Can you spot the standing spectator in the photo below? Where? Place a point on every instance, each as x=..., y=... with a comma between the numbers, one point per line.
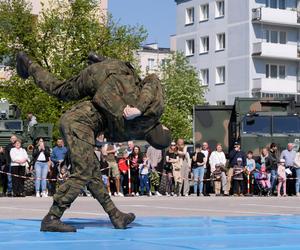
x=185, y=167
x=154, y=157
x=289, y=156
x=124, y=165
x=171, y=158
x=58, y=155
x=3, y=168
x=104, y=168
x=217, y=176
x=281, y=177
x=233, y=156
x=41, y=156
x=273, y=155
x=297, y=169
x=136, y=159
x=206, y=185
x=114, y=172
x=63, y=175
x=218, y=157
x=13, y=139
x=19, y=158
x=238, y=178
x=250, y=168
x=198, y=163
x=144, y=178
x=130, y=147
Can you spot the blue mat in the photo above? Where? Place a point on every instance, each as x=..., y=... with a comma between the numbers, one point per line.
x=272, y=232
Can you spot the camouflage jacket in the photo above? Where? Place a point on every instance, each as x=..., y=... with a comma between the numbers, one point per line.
x=111, y=85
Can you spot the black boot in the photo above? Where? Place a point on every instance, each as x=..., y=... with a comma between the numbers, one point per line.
x=120, y=220
x=51, y=223
x=94, y=58
x=23, y=63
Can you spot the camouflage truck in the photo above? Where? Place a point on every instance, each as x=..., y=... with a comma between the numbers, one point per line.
x=254, y=122
x=11, y=123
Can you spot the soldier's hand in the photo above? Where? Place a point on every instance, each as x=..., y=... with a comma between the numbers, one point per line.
x=130, y=113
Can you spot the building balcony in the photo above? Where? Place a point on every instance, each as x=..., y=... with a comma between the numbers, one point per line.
x=279, y=17
x=276, y=51
x=270, y=85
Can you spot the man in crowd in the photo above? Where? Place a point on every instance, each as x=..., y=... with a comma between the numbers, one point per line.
x=13, y=139
x=58, y=156
x=206, y=151
x=233, y=156
x=123, y=117
x=289, y=156
x=130, y=146
x=155, y=157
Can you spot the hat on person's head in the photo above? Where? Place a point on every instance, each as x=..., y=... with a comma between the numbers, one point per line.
x=282, y=161
x=173, y=143
x=239, y=159
x=159, y=137
x=236, y=143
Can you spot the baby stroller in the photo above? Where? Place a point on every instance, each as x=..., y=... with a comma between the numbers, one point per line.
x=262, y=182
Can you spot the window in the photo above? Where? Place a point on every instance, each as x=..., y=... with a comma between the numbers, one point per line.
x=220, y=75
x=204, y=76
x=190, y=47
x=221, y=103
x=276, y=4
x=275, y=36
x=163, y=62
x=204, y=44
x=204, y=12
x=220, y=43
x=257, y=125
x=286, y=124
x=151, y=63
x=189, y=16
x=220, y=8
x=275, y=71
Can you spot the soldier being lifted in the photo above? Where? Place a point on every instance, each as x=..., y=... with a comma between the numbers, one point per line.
x=122, y=106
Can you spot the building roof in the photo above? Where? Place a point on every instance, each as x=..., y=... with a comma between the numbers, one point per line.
x=153, y=49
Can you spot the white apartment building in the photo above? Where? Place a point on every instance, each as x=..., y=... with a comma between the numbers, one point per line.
x=242, y=48
x=150, y=57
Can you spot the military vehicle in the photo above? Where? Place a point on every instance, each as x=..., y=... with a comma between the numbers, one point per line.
x=11, y=123
x=254, y=122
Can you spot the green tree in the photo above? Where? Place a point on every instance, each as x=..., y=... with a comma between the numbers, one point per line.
x=60, y=40
x=182, y=91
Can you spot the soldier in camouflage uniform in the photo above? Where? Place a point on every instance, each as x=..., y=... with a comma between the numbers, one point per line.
x=121, y=105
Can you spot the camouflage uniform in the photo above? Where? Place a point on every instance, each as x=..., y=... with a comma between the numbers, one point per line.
x=111, y=85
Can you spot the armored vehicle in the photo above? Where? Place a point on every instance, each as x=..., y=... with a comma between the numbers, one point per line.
x=254, y=122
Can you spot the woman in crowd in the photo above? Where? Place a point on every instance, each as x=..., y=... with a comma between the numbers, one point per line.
x=3, y=168
x=218, y=158
x=281, y=178
x=19, y=158
x=273, y=155
x=136, y=158
x=41, y=156
x=171, y=158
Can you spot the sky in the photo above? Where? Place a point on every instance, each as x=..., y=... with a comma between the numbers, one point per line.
x=157, y=16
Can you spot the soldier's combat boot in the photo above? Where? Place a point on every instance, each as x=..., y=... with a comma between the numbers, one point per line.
x=94, y=58
x=120, y=220
x=51, y=223
x=22, y=64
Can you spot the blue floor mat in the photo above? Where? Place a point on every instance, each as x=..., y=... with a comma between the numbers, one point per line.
x=259, y=233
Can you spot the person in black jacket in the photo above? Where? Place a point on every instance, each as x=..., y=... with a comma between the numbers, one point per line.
x=3, y=168
x=274, y=159
x=8, y=147
x=233, y=156
x=41, y=155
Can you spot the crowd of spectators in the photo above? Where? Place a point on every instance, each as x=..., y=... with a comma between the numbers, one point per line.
x=129, y=170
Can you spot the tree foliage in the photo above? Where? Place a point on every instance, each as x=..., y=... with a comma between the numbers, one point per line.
x=60, y=40
x=182, y=91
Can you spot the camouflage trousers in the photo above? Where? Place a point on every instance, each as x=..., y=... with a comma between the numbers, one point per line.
x=79, y=126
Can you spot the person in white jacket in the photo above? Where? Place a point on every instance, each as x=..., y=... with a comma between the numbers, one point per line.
x=19, y=158
x=217, y=157
x=297, y=168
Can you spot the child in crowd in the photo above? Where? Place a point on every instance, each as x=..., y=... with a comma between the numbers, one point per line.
x=281, y=177
x=104, y=167
x=250, y=168
x=63, y=175
x=217, y=177
x=238, y=178
x=124, y=164
x=144, y=179
x=263, y=179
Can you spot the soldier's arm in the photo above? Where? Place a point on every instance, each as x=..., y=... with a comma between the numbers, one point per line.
x=148, y=92
x=72, y=89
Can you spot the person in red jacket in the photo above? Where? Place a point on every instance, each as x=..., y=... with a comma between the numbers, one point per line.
x=124, y=164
